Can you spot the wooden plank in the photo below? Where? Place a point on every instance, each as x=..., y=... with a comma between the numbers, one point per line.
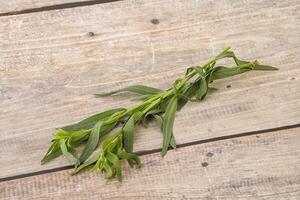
x=14, y=6
x=262, y=166
x=50, y=66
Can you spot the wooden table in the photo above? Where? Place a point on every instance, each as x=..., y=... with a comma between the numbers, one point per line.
x=242, y=142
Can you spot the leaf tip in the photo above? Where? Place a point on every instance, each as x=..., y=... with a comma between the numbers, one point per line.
x=163, y=153
x=98, y=95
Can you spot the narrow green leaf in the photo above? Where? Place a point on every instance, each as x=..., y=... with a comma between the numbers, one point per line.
x=128, y=133
x=107, y=128
x=87, y=163
x=70, y=157
x=75, y=138
x=62, y=134
x=239, y=62
x=224, y=72
x=78, y=136
x=115, y=145
x=264, y=67
x=108, y=170
x=92, y=142
x=139, y=89
x=159, y=120
x=112, y=158
x=108, y=140
x=51, y=156
x=71, y=135
x=189, y=90
x=203, y=88
x=91, y=121
x=168, y=122
x=129, y=157
x=53, y=152
x=230, y=54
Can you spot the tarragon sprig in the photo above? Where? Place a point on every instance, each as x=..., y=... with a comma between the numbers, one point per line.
x=119, y=123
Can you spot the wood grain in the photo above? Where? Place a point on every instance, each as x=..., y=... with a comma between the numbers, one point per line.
x=262, y=166
x=50, y=67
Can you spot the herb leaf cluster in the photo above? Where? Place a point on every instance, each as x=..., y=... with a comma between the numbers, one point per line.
x=118, y=124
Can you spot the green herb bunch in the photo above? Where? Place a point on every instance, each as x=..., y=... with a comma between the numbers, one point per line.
x=119, y=123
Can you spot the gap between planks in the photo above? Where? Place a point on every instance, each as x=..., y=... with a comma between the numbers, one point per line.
x=147, y=152
x=57, y=7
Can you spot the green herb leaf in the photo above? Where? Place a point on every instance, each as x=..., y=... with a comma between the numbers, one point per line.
x=168, y=122
x=107, y=128
x=108, y=170
x=113, y=159
x=159, y=120
x=201, y=83
x=139, y=89
x=91, y=121
x=128, y=132
x=239, y=62
x=87, y=163
x=53, y=152
x=109, y=140
x=129, y=157
x=70, y=157
x=74, y=138
x=92, y=142
x=203, y=88
x=62, y=134
x=189, y=91
x=230, y=54
x=224, y=72
x=264, y=67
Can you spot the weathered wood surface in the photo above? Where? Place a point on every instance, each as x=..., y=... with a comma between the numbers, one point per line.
x=13, y=6
x=50, y=66
x=262, y=166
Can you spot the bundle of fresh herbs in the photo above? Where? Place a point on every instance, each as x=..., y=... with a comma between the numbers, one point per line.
x=156, y=104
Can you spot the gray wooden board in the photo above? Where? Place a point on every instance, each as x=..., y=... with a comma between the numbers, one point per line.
x=50, y=67
x=262, y=166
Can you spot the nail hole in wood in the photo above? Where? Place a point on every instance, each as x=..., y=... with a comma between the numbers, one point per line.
x=228, y=86
x=293, y=78
x=154, y=21
x=209, y=154
x=91, y=34
x=204, y=164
